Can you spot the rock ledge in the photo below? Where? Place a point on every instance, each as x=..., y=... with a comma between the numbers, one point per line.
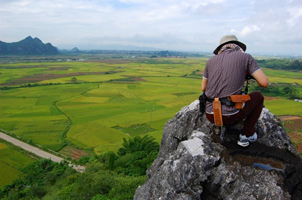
x=195, y=163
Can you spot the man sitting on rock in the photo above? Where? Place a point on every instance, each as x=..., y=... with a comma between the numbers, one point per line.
x=223, y=77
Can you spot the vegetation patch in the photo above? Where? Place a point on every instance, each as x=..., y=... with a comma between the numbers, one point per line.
x=288, y=90
x=135, y=130
x=58, y=69
x=42, y=77
x=293, y=125
x=126, y=80
x=268, y=98
x=108, y=176
x=122, y=80
x=296, y=138
x=284, y=64
x=138, y=79
x=20, y=66
x=11, y=162
x=135, y=78
x=73, y=153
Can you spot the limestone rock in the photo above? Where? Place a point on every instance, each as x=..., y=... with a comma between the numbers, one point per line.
x=195, y=163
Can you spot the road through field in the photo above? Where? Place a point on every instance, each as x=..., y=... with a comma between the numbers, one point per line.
x=37, y=151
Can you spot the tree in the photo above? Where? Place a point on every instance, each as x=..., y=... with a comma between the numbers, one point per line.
x=35, y=180
x=109, y=160
x=291, y=92
x=136, y=155
x=83, y=160
x=74, y=80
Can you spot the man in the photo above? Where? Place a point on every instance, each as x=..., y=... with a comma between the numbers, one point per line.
x=224, y=75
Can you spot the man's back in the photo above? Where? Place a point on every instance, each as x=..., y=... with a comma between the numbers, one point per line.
x=226, y=75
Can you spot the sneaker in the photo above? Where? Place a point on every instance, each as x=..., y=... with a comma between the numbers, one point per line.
x=245, y=141
x=252, y=138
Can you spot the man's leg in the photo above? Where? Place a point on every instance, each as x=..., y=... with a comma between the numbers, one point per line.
x=251, y=113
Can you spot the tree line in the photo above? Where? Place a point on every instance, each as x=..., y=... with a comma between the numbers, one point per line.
x=283, y=64
x=281, y=90
x=111, y=176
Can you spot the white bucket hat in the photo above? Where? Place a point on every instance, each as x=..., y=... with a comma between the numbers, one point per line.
x=229, y=39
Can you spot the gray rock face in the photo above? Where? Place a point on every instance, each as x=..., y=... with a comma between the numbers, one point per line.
x=196, y=163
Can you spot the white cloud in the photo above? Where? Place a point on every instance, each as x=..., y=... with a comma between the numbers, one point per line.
x=295, y=16
x=176, y=25
x=247, y=30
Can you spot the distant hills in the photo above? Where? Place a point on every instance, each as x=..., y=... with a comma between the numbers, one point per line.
x=27, y=46
x=35, y=47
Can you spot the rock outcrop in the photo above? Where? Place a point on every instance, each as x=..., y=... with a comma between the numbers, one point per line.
x=196, y=163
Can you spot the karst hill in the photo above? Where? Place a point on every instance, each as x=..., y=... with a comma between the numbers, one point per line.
x=28, y=46
x=195, y=163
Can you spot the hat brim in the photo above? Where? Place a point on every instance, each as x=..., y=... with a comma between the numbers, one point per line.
x=243, y=46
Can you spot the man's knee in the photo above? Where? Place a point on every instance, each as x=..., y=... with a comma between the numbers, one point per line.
x=257, y=96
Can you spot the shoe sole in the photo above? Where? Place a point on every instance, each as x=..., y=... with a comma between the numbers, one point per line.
x=243, y=144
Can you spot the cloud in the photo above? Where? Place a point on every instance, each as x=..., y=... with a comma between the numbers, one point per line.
x=204, y=9
x=247, y=30
x=295, y=16
x=176, y=25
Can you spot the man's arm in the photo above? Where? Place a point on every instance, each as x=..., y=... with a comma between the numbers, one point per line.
x=204, y=84
x=261, y=78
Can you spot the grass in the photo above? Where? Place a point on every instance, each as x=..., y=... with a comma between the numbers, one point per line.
x=11, y=162
x=136, y=130
x=284, y=107
x=121, y=105
x=31, y=114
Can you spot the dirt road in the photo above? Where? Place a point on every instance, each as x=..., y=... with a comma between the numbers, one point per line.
x=37, y=151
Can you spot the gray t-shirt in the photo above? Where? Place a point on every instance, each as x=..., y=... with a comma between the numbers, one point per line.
x=226, y=73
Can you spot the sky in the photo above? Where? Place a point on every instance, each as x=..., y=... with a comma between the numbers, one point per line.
x=265, y=26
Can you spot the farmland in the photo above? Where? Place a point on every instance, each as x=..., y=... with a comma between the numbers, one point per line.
x=92, y=105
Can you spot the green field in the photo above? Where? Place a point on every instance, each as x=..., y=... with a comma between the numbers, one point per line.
x=41, y=104
x=11, y=162
x=94, y=105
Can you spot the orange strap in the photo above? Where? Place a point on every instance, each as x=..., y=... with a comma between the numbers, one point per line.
x=239, y=100
x=217, y=112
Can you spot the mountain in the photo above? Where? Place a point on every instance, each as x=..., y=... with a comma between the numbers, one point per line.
x=196, y=163
x=27, y=46
x=75, y=49
x=117, y=47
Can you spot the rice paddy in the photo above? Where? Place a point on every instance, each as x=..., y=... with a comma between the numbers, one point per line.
x=94, y=105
